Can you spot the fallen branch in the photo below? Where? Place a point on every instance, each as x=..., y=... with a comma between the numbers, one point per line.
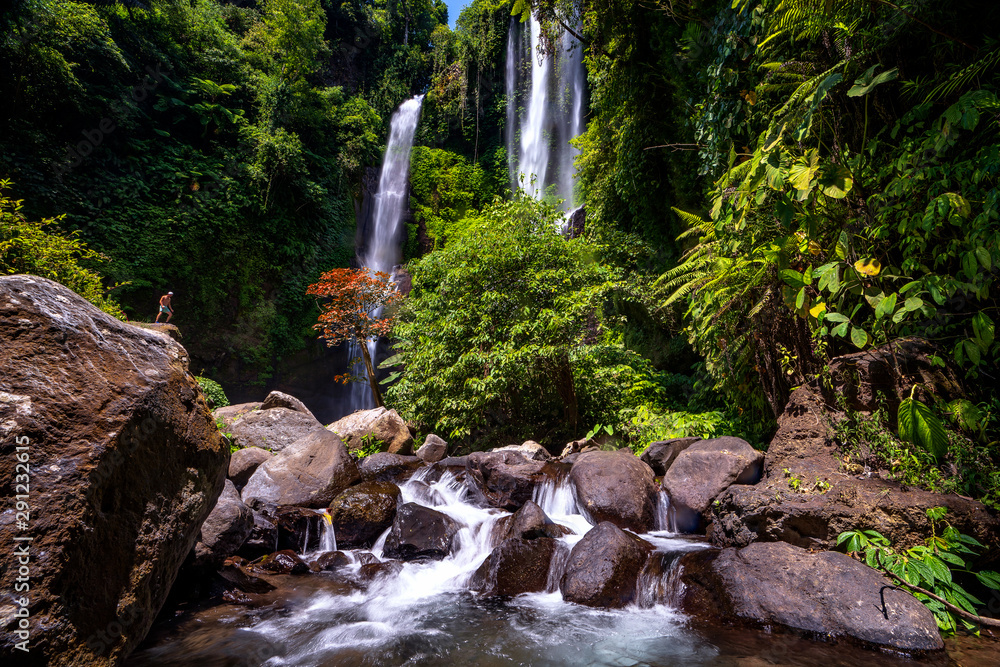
x=958, y=611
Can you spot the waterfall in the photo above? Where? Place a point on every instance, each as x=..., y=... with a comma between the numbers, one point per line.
x=553, y=88
x=327, y=536
x=382, y=246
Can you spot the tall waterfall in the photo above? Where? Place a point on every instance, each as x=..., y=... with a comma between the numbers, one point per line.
x=551, y=88
x=382, y=246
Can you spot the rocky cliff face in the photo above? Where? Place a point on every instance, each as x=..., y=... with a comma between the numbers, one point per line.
x=123, y=464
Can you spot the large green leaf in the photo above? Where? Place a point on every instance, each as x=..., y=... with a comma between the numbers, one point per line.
x=867, y=81
x=918, y=425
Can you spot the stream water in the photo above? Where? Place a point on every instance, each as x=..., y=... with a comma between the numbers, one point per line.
x=423, y=614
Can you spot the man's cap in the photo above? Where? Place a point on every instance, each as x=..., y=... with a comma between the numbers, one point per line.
x=170, y=293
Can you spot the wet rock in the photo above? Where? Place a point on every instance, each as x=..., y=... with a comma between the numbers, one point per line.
x=299, y=528
x=278, y=399
x=378, y=423
x=225, y=530
x=516, y=566
x=311, y=472
x=263, y=537
x=331, y=560
x=433, y=450
x=283, y=562
x=230, y=413
x=420, y=533
x=457, y=465
x=616, y=487
x=126, y=463
x=380, y=570
x=603, y=567
x=363, y=512
x=530, y=450
x=365, y=557
x=386, y=467
x=703, y=471
x=660, y=454
x=506, y=479
x=273, y=429
x=528, y=523
x=244, y=463
x=234, y=571
x=825, y=594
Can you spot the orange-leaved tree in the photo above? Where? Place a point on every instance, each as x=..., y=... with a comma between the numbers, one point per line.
x=352, y=304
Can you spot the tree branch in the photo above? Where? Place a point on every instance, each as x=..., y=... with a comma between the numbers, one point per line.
x=958, y=611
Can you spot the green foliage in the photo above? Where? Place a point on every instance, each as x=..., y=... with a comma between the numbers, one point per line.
x=938, y=567
x=510, y=331
x=446, y=188
x=213, y=392
x=370, y=445
x=919, y=425
x=40, y=249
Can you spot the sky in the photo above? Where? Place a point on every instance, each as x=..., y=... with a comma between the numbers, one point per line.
x=454, y=9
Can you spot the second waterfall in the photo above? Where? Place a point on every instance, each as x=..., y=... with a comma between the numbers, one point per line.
x=381, y=246
x=545, y=107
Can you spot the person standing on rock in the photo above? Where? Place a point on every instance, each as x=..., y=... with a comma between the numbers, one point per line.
x=165, y=307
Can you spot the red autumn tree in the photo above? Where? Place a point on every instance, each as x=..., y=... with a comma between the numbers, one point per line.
x=352, y=304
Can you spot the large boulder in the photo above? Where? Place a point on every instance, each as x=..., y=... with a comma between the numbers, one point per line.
x=420, y=533
x=279, y=399
x=660, y=455
x=273, y=429
x=516, y=566
x=433, y=450
x=506, y=478
x=528, y=523
x=230, y=413
x=244, y=464
x=225, y=530
x=703, y=471
x=380, y=424
x=125, y=464
x=603, y=567
x=361, y=513
x=826, y=499
x=310, y=473
x=529, y=449
x=616, y=487
x=824, y=594
x=386, y=467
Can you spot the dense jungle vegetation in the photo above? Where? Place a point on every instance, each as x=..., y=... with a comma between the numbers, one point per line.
x=769, y=184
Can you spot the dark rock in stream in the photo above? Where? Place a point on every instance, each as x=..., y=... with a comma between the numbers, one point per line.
x=516, y=566
x=616, y=487
x=386, y=467
x=234, y=571
x=331, y=560
x=363, y=512
x=506, y=478
x=126, y=463
x=283, y=562
x=603, y=567
x=380, y=570
x=225, y=530
x=528, y=523
x=263, y=537
x=420, y=533
x=825, y=594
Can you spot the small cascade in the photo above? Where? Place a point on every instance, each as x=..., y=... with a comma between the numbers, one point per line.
x=666, y=516
x=382, y=246
x=327, y=536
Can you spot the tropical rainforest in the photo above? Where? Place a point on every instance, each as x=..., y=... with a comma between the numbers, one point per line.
x=768, y=184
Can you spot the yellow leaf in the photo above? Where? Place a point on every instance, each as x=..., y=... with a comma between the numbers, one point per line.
x=868, y=267
x=818, y=309
x=814, y=248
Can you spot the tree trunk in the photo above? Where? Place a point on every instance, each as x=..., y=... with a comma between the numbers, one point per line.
x=372, y=380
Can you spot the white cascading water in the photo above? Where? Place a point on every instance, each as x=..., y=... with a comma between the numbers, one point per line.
x=382, y=249
x=421, y=612
x=553, y=96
